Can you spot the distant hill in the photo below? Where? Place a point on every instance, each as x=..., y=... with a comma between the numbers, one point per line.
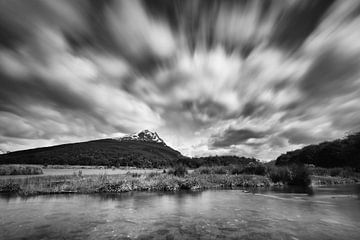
x=339, y=153
x=144, y=149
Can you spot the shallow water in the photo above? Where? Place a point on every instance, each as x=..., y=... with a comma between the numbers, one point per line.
x=323, y=213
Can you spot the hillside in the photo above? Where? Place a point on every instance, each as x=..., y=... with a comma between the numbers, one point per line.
x=146, y=150
x=339, y=153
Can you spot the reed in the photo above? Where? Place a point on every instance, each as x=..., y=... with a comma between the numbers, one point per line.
x=125, y=183
x=20, y=170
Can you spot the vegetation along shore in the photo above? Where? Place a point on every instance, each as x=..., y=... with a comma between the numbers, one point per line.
x=250, y=176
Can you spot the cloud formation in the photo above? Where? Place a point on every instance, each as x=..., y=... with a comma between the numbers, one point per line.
x=254, y=78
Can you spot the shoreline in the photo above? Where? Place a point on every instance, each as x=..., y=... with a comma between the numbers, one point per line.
x=154, y=182
x=37, y=185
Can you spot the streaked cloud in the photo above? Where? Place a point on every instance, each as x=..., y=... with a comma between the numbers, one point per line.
x=253, y=78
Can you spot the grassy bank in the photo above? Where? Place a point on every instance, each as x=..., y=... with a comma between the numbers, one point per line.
x=20, y=170
x=178, y=178
x=128, y=182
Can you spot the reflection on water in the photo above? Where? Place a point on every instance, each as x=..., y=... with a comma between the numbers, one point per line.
x=324, y=213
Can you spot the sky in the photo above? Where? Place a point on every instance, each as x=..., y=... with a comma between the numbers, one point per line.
x=250, y=78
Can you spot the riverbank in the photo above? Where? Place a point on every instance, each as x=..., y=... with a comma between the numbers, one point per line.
x=144, y=181
x=128, y=182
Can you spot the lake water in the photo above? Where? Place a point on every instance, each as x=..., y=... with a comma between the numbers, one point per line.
x=324, y=213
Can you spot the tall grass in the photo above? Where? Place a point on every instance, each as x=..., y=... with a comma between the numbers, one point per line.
x=125, y=183
x=20, y=170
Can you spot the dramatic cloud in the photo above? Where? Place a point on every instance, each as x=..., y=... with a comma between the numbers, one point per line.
x=254, y=78
x=237, y=136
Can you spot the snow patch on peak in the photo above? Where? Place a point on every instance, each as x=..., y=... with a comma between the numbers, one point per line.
x=145, y=135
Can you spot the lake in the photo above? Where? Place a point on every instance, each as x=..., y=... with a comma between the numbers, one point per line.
x=321, y=213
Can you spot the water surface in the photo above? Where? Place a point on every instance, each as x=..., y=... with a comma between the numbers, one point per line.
x=323, y=213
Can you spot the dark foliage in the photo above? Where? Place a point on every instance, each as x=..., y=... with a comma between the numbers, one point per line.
x=215, y=161
x=178, y=170
x=255, y=168
x=292, y=175
x=339, y=153
x=214, y=170
x=108, y=152
x=10, y=188
x=20, y=170
x=300, y=176
x=279, y=174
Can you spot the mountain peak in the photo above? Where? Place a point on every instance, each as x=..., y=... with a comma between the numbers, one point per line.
x=144, y=135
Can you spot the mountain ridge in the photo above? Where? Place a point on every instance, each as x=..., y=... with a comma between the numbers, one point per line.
x=343, y=152
x=145, y=150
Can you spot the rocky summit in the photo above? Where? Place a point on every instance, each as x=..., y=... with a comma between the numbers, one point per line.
x=144, y=135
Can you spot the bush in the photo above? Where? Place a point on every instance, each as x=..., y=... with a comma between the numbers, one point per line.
x=292, y=175
x=279, y=174
x=220, y=170
x=237, y=169
x=319, y=171
x=300, y=175
x=255, y=168
x=179, y=171
x=204, y=170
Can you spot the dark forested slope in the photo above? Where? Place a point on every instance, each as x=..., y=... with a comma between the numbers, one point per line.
x=143, y=152
x=339, y=153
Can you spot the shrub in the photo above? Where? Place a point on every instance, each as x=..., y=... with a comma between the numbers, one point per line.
x=279, y=174
x=214, y=170
x=220, y=170
x=300, y=175
x=179, y=171
x=237, y=169
x=292, y=175
x=255, y=168
x=203, y=170
x=319, y=171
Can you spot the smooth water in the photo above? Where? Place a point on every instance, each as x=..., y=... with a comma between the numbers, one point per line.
x=324, y=213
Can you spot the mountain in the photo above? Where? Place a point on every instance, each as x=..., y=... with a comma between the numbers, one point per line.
x=144, y=149
x=145, y=136
x=339, y=153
